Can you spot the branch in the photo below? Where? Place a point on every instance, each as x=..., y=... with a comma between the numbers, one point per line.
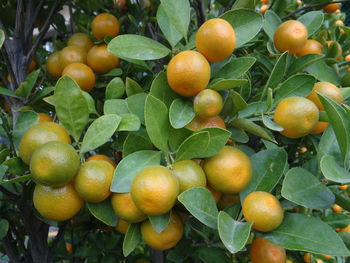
x=10, y=248
x=18, y=24
x=201, y=12
x=11, y=195
x=313, y=6
x=30, y=25
x=71, y=17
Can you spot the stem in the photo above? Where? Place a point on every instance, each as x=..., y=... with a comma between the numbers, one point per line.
x=71, y=17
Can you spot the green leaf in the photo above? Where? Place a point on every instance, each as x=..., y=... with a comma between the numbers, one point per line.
x=212, y=255
x=26, y=87
x=129, y=122
x=25, y=120
x=21, y=178
x=340, y=121
x=160, y=222
x=193, y=146
x=114, y=72
x=329, y=146
x=302, y=62
x=180, y=113
x=312, y=20
x=104, y=212
x=323, y=72
x=277, y=74
x=178, y=13
x=71, y=107
x=115, y=89
x=307, y=233
x=168, y=29
x=246, y=24
x=217, y=139
x=226, y=84
x=99, y=132
x=297, y=85
x=2, y=40
x=233, y=234
x=337, y=220
x=271, y=124
x=132, y=239
x=301, y=187
x=177, y=136
x=132, y=87
x=135, y=142
x=161, y=89
x=252, y=128
x=4, y=224
x=271, y=23
x=90, y=102
x=15, y=166
x=137, y=47
x=8, y=92
x=244, y=4
x=116, y=106
x=157, y=122
x=236, y=68
x=130, y=166
x=333, y=171
x=136, y=105
x=201, y=204
x=268, y=168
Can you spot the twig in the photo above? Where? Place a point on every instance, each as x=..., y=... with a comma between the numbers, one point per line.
x=57, y=239
x=30, y=25
x=201, y=12
x=11, y=195
x=313, y=6
x=71, y=17
x=18, y=23
x=10, y=248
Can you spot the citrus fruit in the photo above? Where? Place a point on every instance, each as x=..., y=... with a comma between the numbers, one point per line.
x=38, y=135
x=105, y=25
x=229, y=171
x=7, y=107
x=188, y=73
x=207, y=103
x=80, y=40
x=122, y=226
x=216, y=194
x=345, y=81
x=93, y=180
x=263, y=9
x=331, y=8
x=343, y=187
x=166, y=239
x=310, y=47
x=307, y=258
x=264, y=1
x=189, y=174
x=339, y=23
x=345, y=229
x=72, y=54
x=54, y=163
x=297, y=115
x=216, y=39
x=227, y=200
x=328, y=89
x=337, y=209
x=53, y=65
x=100, y=60
x=347, y=57
x=125, y=208
x=43, y=117
x=120, y=4
x=154, y=190
x=102, y=157
x=290, y=36
x=264, y=210
x=320, y=127
x=59, y=203
x=200, y=123
x=82, y=74
x=263, y=251
x=32, y=65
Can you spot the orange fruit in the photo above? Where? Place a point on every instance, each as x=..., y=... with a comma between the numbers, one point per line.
x=343, y=187
x=200, y=123
x=105, y=25
x=54, y=163
x=346, y=229
x=216, y=194
x=290, y=36
x=216, y=39
x=339, y=23
x=328, y=89
x=264, y=1
x=331, y=8
x=80, y=40
x=72, y=54
x=69, y=248
x=298, y=116
x=337, y=209
x=320, y=127
x=38, y=135
x=299, y=2
x=166, y=239
x=102, y=157
x=53, y=65
x=310, y=47
x=154, y=190
x=263, y=9
x=227, y=200
x=122, y=226
x=93, y=180
x=264, y=210
x=188, y=73
x=59, y=203
x=100, y=60
x=263, y=251
x=82, y=74
x=32, y=65
x=307, y=258
x=189, y=174
x=7, y=107
x=207, y=103
x=303, y=150
x=125, y=208
x=120, y=4
x=43, y=117
x=229, y=171
x=347, y=57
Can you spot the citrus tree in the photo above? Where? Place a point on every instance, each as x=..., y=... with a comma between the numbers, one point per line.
x=174, y=131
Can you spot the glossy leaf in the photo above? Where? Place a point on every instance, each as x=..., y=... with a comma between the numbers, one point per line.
x=90, y=102
x=252, y=128
x=7, y=92
x=137, y=47
x=25, y=120
x=129, y=122
x=135, y=142
x=168, y=29
x=115, y=89
x=116, y=106
x=323, y=72
x=271, y=23
x=180, y=113
x=99, y=132
x=333, y=171
x=26, y=87
x=4, y=224
x=161, y=89
x=337, y=220
x=302, y=62
x=136, y=105
x=312, y=20
x=132, y=87
x=217, y=139
x=129, y=167
x=277, y=74
x=2, y=37
x=236, y=68
x=201, y=204
x=104, y=212
x=271, y=124
x=302, y=188
x=226, y=84
x=132, y=239
x=244, y=4
x=193, y=146
x=160, y=222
